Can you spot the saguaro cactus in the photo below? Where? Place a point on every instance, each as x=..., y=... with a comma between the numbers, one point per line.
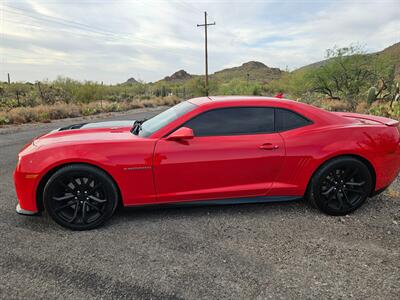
x=371, y=95
x=396, y=95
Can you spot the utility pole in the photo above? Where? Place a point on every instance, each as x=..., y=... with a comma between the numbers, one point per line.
x=8, y=76
x=41, y=93
x=206, y=51
x=101, y=100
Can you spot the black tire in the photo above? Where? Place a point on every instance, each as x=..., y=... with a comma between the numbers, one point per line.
x=80, y=197
x=340, y=186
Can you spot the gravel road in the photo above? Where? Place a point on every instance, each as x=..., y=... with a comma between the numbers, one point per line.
x=227, y=252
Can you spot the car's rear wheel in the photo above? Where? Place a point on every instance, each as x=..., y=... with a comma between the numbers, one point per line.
x=80, y=197
x=340, y=186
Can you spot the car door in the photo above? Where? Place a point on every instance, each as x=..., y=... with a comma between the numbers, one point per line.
x=234, y=153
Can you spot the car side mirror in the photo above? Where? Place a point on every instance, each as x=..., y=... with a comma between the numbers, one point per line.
x=183, y=133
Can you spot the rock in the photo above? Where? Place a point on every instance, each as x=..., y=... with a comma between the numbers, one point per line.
x=131, y=81
x=180, y=75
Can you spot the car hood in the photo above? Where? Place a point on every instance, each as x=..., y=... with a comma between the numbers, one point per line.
x=88, y=133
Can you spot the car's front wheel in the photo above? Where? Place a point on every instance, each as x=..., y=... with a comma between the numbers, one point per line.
x=340, y=186
x=80, y=197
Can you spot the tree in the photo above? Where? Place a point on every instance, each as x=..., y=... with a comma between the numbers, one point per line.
x=293, y=85
x=348, y=73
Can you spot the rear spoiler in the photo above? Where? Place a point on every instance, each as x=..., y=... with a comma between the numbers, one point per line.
x=382, y=120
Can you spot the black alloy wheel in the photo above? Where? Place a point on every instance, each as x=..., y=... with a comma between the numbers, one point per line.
x=80, y=197
x=341, y=186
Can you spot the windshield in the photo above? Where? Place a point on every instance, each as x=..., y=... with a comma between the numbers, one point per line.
x=164, y=118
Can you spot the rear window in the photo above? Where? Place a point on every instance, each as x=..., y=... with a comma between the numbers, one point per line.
x=287, y=119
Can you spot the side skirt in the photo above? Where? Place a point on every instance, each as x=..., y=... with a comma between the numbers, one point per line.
x=250, y=200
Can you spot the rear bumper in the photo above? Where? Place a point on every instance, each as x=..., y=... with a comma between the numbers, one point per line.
x=25, y=212
x=387, y=168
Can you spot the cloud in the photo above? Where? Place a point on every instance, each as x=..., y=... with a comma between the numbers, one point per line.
x=113, y=40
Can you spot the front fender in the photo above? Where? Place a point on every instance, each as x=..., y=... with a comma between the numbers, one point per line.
x=129, y=164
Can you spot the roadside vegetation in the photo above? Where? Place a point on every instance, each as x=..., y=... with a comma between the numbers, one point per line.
x=348, y=80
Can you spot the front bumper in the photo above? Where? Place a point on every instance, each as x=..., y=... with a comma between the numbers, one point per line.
x=25, y=212
x=25, y=187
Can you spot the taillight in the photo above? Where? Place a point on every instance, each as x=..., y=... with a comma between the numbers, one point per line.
x=398, y=135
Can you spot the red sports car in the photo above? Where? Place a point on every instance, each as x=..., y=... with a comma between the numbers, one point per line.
x=215, y=150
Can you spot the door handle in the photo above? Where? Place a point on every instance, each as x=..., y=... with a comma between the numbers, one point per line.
x=268, y=146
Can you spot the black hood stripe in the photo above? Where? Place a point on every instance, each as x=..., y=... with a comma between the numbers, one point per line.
x=107, y=124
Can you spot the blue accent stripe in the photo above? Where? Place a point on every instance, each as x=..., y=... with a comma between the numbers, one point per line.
x=250, y=200
x=260, y=199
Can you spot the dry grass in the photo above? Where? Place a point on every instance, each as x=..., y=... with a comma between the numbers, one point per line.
x=392, y=193
x=362, y=107
x=45, y=113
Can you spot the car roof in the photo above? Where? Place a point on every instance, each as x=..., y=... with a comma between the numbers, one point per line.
x=247, y=98
x=204, y=100
x=226, y=101
x=304, y=109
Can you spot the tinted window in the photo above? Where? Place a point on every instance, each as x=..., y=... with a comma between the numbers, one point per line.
x=286, y=119
x=233, y=121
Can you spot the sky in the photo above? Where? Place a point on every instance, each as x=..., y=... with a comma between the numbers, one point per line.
x=114, y=40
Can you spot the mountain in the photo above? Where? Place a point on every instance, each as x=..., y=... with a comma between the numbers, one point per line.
x=392, y=52
x=131, y=81
x=258, y=72
x=254, y=70
x=179, y=76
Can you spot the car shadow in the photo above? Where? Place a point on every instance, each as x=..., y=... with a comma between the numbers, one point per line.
x=198, y=210
x=128, y=217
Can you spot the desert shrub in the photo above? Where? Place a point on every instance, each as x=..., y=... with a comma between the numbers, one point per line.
x=239, y=87
x=362, y=107
x=334, y=105
x=135, y=104
x=88, y=110
x=166, y=101
x=148, y=103
x=63, y=110
x=381, y=108
x=40, y=113
x=395, y=110
x=4, y=120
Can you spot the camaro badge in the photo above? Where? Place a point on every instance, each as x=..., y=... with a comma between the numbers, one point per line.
x=136, y=168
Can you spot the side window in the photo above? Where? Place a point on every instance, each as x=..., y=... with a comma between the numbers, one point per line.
x=233, y=121
x=286, y=120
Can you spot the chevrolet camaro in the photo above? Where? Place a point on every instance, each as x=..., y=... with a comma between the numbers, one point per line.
x=210, y=150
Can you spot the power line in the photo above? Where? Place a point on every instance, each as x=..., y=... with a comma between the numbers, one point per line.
x=205, y=25
x=83, y=28
x=73, y=24
x=54, y=20
x=187, y=6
